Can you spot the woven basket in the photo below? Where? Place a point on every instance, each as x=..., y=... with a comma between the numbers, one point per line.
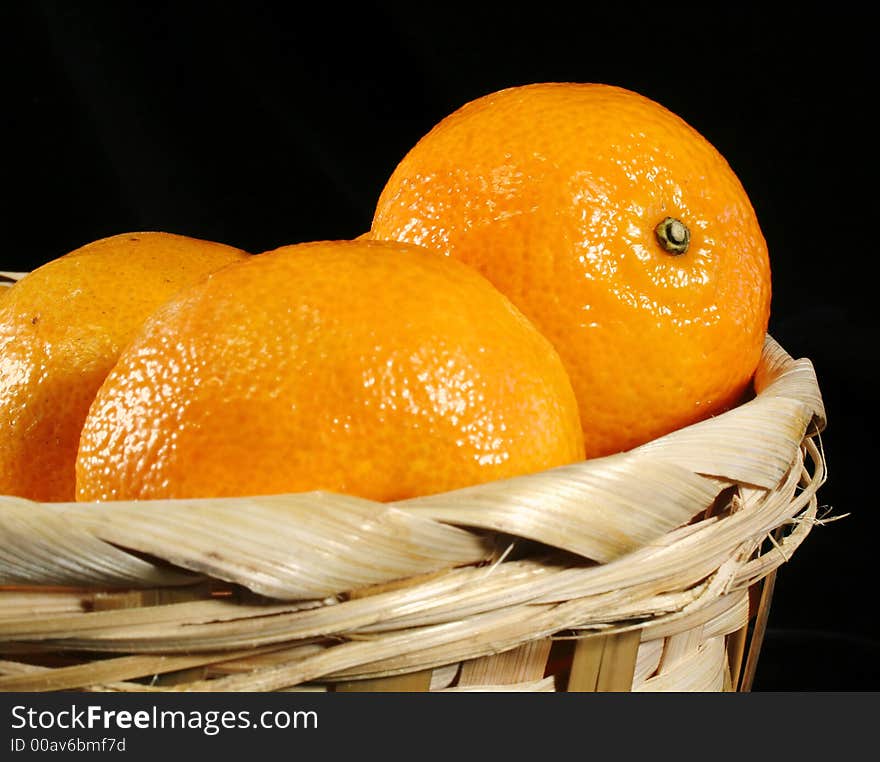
x=651, y=570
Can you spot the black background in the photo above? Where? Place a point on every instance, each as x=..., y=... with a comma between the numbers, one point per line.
x=260, y=124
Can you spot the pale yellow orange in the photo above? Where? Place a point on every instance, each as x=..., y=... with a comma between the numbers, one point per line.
x=61, y=330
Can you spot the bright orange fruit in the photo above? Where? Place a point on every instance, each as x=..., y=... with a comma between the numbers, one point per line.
x=617, y=229
x=359, y=367
x=61, y=330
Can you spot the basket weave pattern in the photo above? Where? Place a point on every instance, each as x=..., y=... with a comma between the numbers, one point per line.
x=651, y=570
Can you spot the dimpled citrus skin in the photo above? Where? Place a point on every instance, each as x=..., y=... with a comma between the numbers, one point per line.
x=358, y=367
x=553, y=191
x=62, y=328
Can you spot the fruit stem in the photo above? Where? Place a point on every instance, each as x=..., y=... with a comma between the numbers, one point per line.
x=673, y=235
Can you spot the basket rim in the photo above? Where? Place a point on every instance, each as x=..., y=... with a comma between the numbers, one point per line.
x=678, y=560
x=601, y=509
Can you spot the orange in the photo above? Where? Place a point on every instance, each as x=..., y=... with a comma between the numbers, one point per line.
x=617, y=229
x=62, y=328
x=356, y=367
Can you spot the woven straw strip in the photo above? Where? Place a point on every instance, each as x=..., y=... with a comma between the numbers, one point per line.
x=702, y=670
x=19, y=668
x=39, y=547
x=721, y=616
x=535, y=686
x=647, y=660
x=107, y=672
x=284, y=546
x=18, y=604
x=779, y=375
x=594, y=509
x=121, y=668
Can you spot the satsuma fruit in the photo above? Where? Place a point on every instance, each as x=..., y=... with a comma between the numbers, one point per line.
x=617, y=229
x=61, y=330
x=356, y=367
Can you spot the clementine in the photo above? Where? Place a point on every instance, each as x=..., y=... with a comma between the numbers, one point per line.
x=62, y=328
x=617, y=228
x=360, y=367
